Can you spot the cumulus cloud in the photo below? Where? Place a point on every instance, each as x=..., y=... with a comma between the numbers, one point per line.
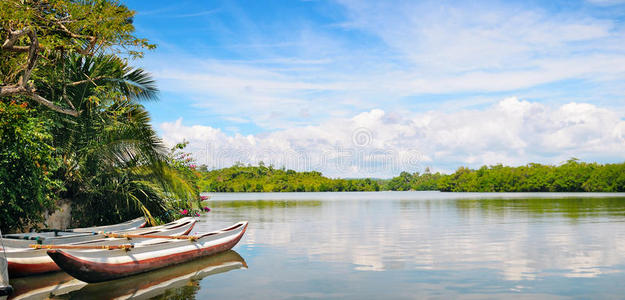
x=381, y=144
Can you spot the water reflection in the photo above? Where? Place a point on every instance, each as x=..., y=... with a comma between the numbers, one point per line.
x=44, y=286
x=570, y=208
x=399, y=245
x=179, y=282
x=521, y=239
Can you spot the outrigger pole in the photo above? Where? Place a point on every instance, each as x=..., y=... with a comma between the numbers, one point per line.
x=5, y=287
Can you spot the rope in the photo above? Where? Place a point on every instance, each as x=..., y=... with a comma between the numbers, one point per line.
x=130, y=236
x=104, y=247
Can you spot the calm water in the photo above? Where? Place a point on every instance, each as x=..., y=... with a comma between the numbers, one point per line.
x=392, y=245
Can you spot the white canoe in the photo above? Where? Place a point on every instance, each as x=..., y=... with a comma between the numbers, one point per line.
x=68, y=236
x=29, y=261
x=132, y=224
x=103, y=265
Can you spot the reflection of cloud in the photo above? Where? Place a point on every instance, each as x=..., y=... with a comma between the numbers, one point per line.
x=518, y=270
x=376, y=233
x=366, y=259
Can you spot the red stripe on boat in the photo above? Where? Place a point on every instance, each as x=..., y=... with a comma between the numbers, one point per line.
x=190, y=228
x=19, y=270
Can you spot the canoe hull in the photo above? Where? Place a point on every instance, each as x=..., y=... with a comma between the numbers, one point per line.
x=96, y=271
x=26, y=269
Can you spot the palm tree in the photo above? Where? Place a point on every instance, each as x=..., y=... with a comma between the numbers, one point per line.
x=114, y=166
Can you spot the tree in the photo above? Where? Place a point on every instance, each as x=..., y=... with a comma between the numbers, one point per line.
x=37, y=34
x=26, y=164
x=114, y=165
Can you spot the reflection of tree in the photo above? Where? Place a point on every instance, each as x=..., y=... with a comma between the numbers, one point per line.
x=185, y=292
x=572, y=208
x=260, y=204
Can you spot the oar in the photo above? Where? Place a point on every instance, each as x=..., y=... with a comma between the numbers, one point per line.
x=105, y=247
x=130, y=236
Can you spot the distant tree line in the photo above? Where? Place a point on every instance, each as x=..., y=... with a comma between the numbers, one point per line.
x=241, y=178
x=572, y=176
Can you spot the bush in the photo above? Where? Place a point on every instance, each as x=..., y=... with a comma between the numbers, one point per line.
x=26, y=165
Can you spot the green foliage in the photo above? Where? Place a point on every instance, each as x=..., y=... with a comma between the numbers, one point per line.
x=239, y=178
x=114, y=167
x=572, y=176
x=65, y=26
x=26, y=163
x=111, y=164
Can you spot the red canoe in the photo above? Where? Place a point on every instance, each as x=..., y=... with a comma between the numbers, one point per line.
x=102, y=265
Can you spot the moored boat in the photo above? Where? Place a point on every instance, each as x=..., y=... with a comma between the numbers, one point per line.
x=102, y=265
x=30, y=261
x=132, y=224
x=22, y=240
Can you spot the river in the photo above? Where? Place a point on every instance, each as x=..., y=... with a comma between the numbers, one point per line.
x=394, y=245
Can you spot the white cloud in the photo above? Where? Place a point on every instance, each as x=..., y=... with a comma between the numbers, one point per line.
x=379, y=143
x=416, y=49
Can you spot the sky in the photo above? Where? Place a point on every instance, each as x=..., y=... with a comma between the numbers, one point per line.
x=373, y=88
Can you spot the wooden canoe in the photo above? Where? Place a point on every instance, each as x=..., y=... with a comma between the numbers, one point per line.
x=29, y=261
x=132, y=224
x=22, y=240
x=102, y=265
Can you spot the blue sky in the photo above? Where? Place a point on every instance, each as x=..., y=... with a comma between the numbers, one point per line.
x=425, y=84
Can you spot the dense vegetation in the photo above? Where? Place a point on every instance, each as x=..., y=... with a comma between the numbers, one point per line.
x=240, y=178
x=73, y=126
x=573, y=176
x=26, y=161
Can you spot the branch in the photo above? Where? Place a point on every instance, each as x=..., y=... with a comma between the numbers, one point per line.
x=32, y=57
x=51, y=105
x=68, y=101
x=92, y=39
x=16, y=48
x=20, y=90
x=9, y=43
x=92, y=80
x=13, y=36
x=74, y=35
x=23, y=87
